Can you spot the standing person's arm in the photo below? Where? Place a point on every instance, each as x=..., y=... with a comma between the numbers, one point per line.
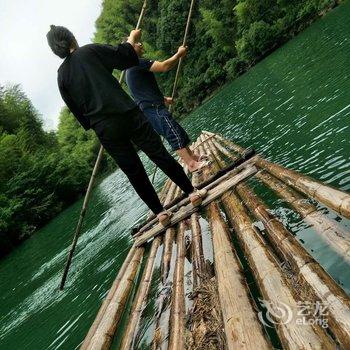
x=170, y=63
x=122, y=56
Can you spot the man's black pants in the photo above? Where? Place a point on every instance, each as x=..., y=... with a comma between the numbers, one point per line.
x=116, y=134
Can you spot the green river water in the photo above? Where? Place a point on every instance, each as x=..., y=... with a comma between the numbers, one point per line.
x=294, y=107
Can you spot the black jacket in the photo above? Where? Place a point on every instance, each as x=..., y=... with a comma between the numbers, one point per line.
x=87, y=85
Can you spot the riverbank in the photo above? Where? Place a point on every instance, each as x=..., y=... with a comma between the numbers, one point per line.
x=242, y=67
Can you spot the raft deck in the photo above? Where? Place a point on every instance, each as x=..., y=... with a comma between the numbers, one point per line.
x=253, y=270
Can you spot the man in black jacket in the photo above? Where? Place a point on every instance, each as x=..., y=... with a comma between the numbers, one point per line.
x=97, y=100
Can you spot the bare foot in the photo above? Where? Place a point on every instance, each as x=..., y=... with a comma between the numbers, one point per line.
x=195, y=157
x=197, y=196
x=194, y=166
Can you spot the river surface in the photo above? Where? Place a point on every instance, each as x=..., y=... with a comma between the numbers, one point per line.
x=294, y=107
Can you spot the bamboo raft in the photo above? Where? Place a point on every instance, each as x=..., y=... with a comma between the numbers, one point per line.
x=222, y=310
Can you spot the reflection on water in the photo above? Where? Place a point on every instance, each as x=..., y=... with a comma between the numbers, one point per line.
x=294, y=107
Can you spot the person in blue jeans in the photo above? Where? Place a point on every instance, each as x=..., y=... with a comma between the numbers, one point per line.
x=144, y=89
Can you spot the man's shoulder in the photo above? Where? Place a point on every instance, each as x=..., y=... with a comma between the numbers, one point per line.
x=144, y=64
x=88, y=47
x=145, y=61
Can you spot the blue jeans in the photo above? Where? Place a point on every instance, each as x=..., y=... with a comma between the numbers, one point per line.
x=165, y=125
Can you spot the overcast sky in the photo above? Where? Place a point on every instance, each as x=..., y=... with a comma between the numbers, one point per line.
x=25, y=56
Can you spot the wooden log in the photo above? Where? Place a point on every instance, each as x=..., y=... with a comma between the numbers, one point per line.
x=161, y=329
x=318, y=284
x=177, y=320
x=329, y=230
x=269, y=278
x=242, y=327
x=236, y=148
x=141, y=298
x=273, y=287
x=205, y=328
x=198, y=261
x=108, y=298
x=208, y=171
x=215, y=318
x=186, y=211
x=328, y=195
x=223, y=150
x=209, y=186
x=168, y=240
x=203, y=141
x=103, y=337
x=334, y=235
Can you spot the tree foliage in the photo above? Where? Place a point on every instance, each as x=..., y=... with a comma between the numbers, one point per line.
x=226, y=36
x=40, y=172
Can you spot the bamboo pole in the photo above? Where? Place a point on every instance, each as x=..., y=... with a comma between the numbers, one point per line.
x=234, y=147
x=205, y=327
x=223, y=150
x=198, y=261
x=163, y=317
x=272, y=285
x=167, y=253
x=103, y=337
x=213, y=194
x=161, y=328
x=177, y=318
x=270, y=279
x=336, y=237
x=211, y=147
x=208, y=184
x=169, y=235
x=318, y=284
x=81, y=218
x=107, y=300
x=329, y=196
x=92, y=330
x=204, y=140
x=141, y=298
x=207, y=171
x=177, y=75
x=242, y=327
x=91, y=183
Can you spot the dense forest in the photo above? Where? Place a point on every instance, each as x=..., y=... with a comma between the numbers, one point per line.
x=226, y=38
x=40, y=172
x=43, y=172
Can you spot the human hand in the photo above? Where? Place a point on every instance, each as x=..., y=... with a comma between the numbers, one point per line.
x=182, y=51
x=168, y=100
x=135, y=35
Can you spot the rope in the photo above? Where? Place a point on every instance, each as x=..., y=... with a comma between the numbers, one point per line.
x=184, y=42
x=91, y=182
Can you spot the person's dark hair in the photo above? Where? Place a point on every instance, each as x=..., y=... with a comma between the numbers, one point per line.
x=60, y=39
